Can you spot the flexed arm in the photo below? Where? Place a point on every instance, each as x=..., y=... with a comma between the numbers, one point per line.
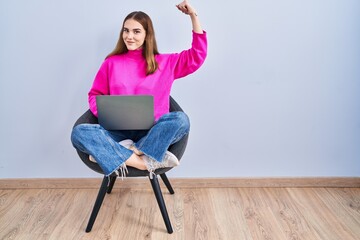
x=186, y=8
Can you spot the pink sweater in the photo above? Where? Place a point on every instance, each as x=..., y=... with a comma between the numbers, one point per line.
x=125, y=74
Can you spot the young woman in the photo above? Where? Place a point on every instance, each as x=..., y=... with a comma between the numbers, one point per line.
x=135, y=67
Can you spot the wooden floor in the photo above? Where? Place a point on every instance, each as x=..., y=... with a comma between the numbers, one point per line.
x=195, y=213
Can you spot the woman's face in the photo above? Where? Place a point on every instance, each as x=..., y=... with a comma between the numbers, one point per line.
x=133, y=34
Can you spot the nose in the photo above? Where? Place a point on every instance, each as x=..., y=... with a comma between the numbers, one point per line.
x=129, y=35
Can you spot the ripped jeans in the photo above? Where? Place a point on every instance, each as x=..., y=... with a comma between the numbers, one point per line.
x=104, y=145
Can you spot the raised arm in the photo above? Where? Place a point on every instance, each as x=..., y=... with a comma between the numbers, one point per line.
x=186, y=8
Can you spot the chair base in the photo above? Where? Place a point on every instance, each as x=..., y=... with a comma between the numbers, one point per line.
x=160, y=199
x=98, y=202
x=107, y=186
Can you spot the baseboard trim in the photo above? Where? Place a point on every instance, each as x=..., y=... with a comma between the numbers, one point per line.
x=143, y=183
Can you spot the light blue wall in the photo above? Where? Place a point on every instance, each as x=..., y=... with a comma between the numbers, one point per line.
x=277, y=96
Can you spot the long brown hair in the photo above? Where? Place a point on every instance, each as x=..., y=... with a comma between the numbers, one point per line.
x=149, y=48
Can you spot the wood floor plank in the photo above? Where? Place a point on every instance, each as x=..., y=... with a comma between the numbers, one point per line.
x=195, y=213
x=260, y=218
x=349, y=200
x=199, y=215
x=17, y=217
x=292, y=221
x=344, y=216
x=46, y=213
x=75, y=207
x=230, y=220
x=319, y=217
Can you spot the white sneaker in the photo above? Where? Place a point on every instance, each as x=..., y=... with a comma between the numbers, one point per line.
x=126, y=143
x=170, y=160
x=92, y=159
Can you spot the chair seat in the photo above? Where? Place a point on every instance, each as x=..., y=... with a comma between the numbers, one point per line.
x=177, y=149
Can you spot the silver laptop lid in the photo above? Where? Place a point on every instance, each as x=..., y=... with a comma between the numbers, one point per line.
x=125, y=112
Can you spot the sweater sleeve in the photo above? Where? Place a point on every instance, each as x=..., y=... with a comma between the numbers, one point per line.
x=188, y=61
x=100, y=87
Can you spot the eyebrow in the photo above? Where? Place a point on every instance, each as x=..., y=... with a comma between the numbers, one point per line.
x=132, y=29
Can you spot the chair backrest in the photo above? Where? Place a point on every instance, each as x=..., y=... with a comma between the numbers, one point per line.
x=177, y=149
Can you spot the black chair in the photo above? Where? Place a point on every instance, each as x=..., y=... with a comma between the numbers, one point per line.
x=108, y=182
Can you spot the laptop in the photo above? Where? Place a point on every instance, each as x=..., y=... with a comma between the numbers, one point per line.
x=125, y=112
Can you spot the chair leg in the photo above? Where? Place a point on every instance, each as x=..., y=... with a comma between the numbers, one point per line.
x=111, y=185
x=167, y=183
x=98, y=202
x=159, y=197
